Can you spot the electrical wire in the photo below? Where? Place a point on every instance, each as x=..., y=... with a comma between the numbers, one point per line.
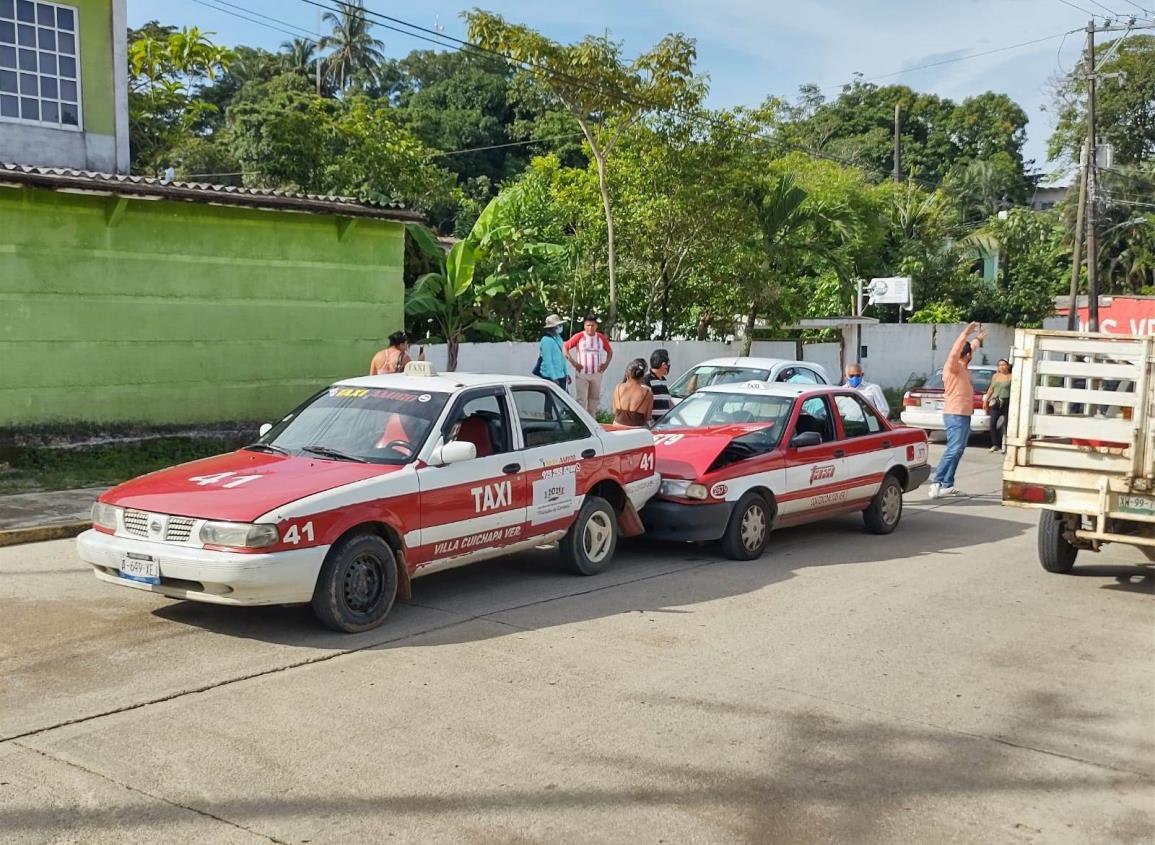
x=1110, y=12
x=1082, y=9
x=208, y=5
x=510, y=144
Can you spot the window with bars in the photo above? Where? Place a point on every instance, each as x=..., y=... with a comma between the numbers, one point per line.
x=39, y=64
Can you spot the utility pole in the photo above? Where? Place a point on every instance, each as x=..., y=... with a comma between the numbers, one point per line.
x=1092, y=188
x=898, y=142
x=1077, y=257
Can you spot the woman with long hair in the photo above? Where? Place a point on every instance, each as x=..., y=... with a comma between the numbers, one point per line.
x=393, y=358
x=633, y=399
x=997, y=402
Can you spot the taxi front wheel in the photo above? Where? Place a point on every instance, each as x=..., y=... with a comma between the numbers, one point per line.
x=589, y=544
x=357, y=584
x=748, y=530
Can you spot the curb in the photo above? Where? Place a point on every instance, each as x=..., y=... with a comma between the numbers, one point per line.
x=40, y=533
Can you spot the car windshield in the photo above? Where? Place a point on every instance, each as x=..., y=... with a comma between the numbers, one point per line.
x=980, y=380
x=710, y=409
x=359, y=424
x=707, y=374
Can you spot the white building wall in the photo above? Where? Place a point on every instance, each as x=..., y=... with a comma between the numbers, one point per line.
x=897, y=353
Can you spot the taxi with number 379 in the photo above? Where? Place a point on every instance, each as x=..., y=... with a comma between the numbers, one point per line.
x=371, y=483
x=738, y=460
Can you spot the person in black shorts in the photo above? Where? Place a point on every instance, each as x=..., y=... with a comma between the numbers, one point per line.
x=656, y=379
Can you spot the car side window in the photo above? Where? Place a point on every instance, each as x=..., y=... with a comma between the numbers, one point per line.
x=545, y=419
x=799, y=375
x=481, y=420
x=814, y=415
x=857, y=419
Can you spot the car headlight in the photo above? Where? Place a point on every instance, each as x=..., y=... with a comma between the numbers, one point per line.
x=105, y=516
x=683, y=489
x=238, y=535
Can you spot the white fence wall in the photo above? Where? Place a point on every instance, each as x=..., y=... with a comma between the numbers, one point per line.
x=519, y=358
x=894, y=353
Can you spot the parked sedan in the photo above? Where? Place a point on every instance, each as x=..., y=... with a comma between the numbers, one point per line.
x=922, y=406
x=740, y=460
x=740, y=369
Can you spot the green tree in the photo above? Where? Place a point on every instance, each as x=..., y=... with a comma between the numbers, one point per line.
x=353, y=51
x=300, y=54
x=1125, y=106
x=603, y=93
x=167, y=67
x=1034, y=267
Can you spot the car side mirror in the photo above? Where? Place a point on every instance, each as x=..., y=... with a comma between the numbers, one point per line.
x=806, y=438
x=264, y=429
x=453, y=452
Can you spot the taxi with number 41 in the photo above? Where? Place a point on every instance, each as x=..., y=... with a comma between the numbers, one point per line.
x=371, y=483
x=738, y=460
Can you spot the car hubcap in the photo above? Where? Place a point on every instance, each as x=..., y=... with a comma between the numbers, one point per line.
x=891, y=504
x=753, y=527
x=597, y=536
x=363, y=583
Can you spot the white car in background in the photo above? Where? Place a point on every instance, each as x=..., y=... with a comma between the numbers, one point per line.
x=739, y=370
x=922, y=406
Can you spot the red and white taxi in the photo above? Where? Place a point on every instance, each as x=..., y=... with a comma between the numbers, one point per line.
x=373, y=482
x=738, y=460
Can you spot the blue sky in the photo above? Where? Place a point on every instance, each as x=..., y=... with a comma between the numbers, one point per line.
x=751, y=48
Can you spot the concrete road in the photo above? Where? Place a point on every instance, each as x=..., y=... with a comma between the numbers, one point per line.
x=935, y=685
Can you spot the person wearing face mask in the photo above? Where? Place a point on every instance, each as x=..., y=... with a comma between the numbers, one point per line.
x=872, y=392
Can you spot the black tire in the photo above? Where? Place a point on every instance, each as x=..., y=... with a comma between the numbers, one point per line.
x=589, y=545
x=1055, y=553
x=748, y=530
x=883, y=513
x=357, y=585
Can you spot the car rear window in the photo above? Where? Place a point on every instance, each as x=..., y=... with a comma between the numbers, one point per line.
x=708, y=374
x=980, y=380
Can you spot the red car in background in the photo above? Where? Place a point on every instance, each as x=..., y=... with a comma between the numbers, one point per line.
x=922, y=406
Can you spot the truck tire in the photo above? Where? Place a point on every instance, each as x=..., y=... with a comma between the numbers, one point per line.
x=1055, y=553
x=357, y=585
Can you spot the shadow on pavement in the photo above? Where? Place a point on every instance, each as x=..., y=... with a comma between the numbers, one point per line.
x=646, y=576
x=1131, y=579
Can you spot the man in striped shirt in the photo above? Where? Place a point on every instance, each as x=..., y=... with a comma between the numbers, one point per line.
x=590, y=353
x=656, y=379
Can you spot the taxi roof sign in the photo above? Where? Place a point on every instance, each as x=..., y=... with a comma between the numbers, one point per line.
x=419, y=368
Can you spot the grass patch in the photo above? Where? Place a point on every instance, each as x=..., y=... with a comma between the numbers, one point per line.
x=26, y=469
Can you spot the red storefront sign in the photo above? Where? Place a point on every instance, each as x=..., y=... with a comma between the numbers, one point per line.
x=1121, y=315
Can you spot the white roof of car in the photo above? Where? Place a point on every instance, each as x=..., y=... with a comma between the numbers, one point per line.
x=439, y=383
x=754, y=363
x=771, y=388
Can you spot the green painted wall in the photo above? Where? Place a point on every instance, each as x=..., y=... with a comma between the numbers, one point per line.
x=183, y=312
x=96, y=65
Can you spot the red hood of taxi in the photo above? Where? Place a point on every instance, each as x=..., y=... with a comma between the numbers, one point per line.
x=283, y=479
x=691, y=456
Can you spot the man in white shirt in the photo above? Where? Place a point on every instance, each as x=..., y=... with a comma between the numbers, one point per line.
x=872, y=392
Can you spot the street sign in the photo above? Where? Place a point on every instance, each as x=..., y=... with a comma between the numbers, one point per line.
x=891, y=290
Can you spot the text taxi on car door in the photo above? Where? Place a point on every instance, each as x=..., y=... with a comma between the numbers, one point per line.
x=373, y=482
x=738, y=460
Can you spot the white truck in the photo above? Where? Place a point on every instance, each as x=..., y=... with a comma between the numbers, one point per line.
x=1081, y=441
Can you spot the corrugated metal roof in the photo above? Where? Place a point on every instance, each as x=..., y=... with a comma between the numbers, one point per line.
x=114, y=183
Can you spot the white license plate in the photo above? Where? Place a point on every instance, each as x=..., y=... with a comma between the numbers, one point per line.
x=932, y=404
x=1137, y=504
x=140, y=568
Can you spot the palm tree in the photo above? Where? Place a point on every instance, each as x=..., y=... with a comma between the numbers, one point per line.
x=353, y=48
x=300, y=53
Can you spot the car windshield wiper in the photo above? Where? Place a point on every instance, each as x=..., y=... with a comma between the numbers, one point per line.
x=326, y=452
x=266, y=447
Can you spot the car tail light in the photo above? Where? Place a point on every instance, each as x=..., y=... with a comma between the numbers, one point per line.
x=909, y=400
x=979, y=401
x=1033, y=493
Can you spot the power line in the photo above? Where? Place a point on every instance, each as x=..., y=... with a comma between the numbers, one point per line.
x=960, y=58
x=1082, y=9
x=1110, y=12
x=510, y=144
x=316, y=35
x=252, y=20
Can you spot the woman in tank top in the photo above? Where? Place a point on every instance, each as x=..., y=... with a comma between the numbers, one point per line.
x=633, y=400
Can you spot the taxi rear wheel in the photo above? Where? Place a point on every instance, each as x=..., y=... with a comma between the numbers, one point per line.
x=885, y=509
x=748, y=530
x=589, y=545
x=357, y=585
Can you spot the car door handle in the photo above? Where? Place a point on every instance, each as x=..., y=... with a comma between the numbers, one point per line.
x=840, y=453
x=510, y=469
x=589, y=453
x=885, y=444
